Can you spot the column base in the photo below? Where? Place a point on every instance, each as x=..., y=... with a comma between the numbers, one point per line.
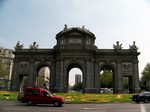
x=118, y=90
x=91, y=90
x=58, y=90
x=137, y=90
x=14, y=88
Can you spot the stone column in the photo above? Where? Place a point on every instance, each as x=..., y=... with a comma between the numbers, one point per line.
x=59, y=76
x=89, y=77
x=66, y=76
x=135, y=79
x=52, y=76
x=62, y=76
x=97, y=76
x=31, y=74
x=87, y=74
x=119, y=78
x=15, y=78
x=84, y=77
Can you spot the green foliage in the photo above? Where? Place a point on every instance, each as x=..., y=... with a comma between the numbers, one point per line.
x=76, y=97
x=7, y=95
x=40, y=81
x=125, y=82
x=145, y=75
x=146, y=72
x=106, y=79
x=77, y=87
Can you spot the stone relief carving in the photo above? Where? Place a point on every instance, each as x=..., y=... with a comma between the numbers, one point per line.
x=24, y=65
x=18, y=46
x=127, y=66
x=74, y=41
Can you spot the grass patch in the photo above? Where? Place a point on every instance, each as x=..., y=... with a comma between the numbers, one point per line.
x=7, y=95
x=96, y=98
x=78, y=98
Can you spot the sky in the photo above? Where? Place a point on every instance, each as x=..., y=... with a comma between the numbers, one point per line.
x=110, y=20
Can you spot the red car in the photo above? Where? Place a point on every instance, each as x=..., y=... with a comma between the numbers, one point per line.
x=33, y=96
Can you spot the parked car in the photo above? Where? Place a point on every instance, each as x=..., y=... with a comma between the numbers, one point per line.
x=2, y=88
x=106, y=90
x=142, y=97
x=33, y=96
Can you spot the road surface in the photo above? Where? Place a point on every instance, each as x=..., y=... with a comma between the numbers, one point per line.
x=15, y=106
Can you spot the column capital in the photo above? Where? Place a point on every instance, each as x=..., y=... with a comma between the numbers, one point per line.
x=135, y=61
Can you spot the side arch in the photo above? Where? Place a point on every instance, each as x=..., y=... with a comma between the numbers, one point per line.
x=42, y=64
x=43, y=71
x=111, y=67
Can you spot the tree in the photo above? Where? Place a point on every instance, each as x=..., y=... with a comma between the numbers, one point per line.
x=145, y=76
x=106, y=79
x=40, y=81
x=126, y=83
x=77, y=87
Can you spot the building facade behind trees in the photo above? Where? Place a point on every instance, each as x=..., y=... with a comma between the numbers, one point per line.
x=6, y=63
x=77, y=78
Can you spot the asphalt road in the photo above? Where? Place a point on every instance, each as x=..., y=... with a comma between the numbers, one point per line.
x=14, y=106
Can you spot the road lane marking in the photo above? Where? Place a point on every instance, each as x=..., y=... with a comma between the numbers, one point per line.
x=21, y=109
x=48, y=110
x=134, y=110
x=93, y=108
x=143, y=109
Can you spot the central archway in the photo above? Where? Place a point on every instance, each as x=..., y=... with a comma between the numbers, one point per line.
x=73, y=66
x=75, y=78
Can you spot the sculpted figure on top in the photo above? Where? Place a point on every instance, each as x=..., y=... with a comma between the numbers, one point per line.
x=18, y=46
x=118, y=46
x=133, y=47
x=34, y=46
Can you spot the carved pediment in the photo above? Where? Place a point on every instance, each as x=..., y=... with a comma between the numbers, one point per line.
x=75, y=31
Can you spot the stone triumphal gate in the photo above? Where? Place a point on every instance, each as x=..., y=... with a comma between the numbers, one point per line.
x=75, y=48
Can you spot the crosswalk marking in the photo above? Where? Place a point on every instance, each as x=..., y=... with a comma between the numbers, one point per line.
x=143, y=109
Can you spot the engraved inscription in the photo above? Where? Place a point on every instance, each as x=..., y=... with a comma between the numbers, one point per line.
x=75, y=41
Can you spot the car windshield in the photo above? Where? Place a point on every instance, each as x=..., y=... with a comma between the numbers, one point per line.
x=143, y=94
x=50, y=93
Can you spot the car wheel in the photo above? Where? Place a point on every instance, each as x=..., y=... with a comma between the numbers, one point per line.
x=56, y=103
x=137, y=101
x=29, y=102
x=145, y=100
